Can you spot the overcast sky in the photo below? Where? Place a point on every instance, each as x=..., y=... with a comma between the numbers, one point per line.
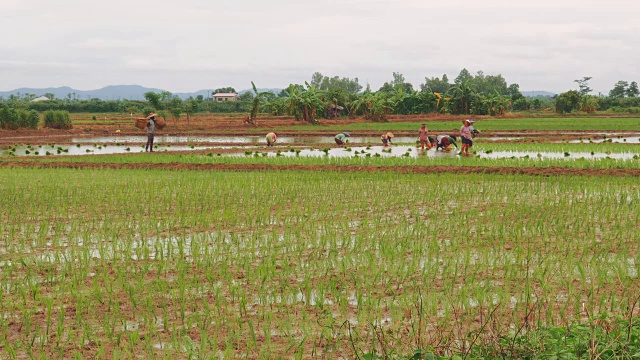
x=189, y=45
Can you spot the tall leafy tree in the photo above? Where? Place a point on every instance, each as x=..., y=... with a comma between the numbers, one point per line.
x=514, y=91
x=583, y=85
x=325, y=83
x=224, y=90
x=568, y=101
x=619, y=89
x=632, y=90
x=247, y=96
x=463, y=77
x=154, y=99
x=397, y=82
x=436, y=85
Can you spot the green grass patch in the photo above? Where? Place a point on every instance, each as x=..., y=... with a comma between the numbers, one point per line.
x=195, y=264
x=530, y=124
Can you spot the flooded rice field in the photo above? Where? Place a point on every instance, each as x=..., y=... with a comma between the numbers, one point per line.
x=318, y=146
x=249, y=140
x=334, y=152
x=413, y=152
x=619, y=140
x=102, y=149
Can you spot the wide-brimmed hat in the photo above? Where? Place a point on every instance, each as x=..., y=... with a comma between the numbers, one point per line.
x=471, y=121
x=346, y=134
x=152, y=115
x=390, y=134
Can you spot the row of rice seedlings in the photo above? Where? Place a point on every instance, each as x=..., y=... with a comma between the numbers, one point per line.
x=587, y=162
x=132, y=262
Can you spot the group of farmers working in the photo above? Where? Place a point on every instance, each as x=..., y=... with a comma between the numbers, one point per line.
x=445, y=142
x=441, y=142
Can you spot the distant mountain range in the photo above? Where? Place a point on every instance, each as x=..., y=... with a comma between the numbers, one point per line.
x=112, y=92
x=537, y=93
x=136, y=92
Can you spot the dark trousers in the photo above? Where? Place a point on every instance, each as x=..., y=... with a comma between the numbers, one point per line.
x=149, y=142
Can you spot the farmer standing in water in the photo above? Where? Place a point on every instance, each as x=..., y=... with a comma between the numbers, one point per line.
x=423, y=134
x=467, y=139
x=151, y=131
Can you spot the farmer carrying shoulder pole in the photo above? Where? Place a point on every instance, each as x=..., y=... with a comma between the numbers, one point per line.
x=151, y=131
x=271, y=138
x=342, y=138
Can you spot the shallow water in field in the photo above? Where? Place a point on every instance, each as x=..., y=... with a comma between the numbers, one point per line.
x=249, y=140
x=132, y=144
x=413, y=152
x=359, y=151
x=619, y=140
x=101, y=149
x=554, y=155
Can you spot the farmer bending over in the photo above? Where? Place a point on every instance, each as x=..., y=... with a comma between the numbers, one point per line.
x=342, y=138
x=386, y=138
x=271, y=138
x=444, y=142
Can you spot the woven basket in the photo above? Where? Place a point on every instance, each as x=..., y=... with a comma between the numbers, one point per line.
x=160, y=123
x=141, y=123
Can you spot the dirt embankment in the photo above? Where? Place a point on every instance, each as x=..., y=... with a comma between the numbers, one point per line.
x=211, y=125
x=534, y=171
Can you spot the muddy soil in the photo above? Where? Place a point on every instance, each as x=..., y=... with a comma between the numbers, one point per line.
x=209, y=125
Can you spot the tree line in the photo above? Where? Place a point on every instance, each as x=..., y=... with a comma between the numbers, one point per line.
x=623, y=98
x=331, y=97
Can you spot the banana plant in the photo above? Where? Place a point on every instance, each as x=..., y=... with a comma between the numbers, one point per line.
x=462, y=97
x=496, y=104
x=310, y=103
x=260, y=98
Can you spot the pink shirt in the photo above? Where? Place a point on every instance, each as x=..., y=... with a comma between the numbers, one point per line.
x=465, y=132
x=422, y=134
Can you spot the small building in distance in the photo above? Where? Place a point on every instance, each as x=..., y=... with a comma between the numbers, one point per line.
x=226, y=97
x=40, y=98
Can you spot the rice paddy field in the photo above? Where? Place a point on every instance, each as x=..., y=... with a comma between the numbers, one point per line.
x=261, y=253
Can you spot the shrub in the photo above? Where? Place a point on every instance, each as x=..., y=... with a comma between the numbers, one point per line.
x=8, y=118
x=57, y=119
x=624, y=110
x=28, y=119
